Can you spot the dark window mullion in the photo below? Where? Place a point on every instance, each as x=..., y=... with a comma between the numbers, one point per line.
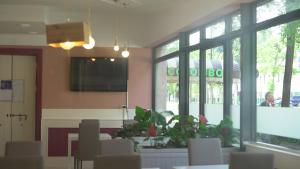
x=183, y=74
x=227, y=70
x=202, y=74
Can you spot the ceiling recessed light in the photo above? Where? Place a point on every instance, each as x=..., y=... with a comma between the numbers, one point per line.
x=25, y=25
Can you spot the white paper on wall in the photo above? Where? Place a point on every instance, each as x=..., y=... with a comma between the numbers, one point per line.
x=18, y=90
x=15, y=92
x=5, y=94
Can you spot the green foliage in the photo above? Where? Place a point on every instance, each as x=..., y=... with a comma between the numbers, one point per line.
x=178, y=129
x=236, y=50
x=129, y=131
x=183, y=129
x=226, y=132
x=186, y=127
x=144, y=118
x=172, y=88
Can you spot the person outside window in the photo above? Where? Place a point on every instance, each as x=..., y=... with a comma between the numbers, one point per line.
x=269, y=100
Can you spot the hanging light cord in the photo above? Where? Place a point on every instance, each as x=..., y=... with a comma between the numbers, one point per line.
x=89, y=19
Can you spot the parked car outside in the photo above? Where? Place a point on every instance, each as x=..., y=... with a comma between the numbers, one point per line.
x=294, y=101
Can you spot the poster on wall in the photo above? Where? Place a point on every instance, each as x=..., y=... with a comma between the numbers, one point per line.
x=12, y=90
x=5, y=90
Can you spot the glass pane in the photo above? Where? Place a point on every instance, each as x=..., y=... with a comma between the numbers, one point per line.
x=214, y=85
x=236, y=85
x=194, y=38
x=167, y=86
x=167, y=49
x=194, y=84
x=215, y=30
x=275, y=8
x=236, y=22
x=278, y=89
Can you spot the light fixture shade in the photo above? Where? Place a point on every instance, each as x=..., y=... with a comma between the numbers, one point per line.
x=67, y=45
x=61, y=35
x=116, y=47
x=125, y=53
x=91, y=43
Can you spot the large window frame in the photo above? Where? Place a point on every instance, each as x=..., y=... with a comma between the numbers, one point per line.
x=247, y=35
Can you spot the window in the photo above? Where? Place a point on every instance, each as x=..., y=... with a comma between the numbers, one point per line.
x=167, y=85
x=236, y=22
x=214, y=85
x=278, y=90
x=236, y=84
x=194, y=38
x=277, y=71
x=275, y=8
x=194, y=83
x=215, y=30
x=167, y=49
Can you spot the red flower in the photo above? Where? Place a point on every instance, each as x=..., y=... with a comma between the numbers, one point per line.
x=152, y=130
x=225, y=131
x=203, y=119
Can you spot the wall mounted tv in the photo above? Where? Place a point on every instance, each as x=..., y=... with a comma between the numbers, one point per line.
x=99, y=74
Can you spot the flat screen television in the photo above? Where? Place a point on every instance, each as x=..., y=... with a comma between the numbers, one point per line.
x=99, y=74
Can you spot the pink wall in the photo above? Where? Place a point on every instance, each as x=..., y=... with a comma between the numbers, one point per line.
x=55, y=87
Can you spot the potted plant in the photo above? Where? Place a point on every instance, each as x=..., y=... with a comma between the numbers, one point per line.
x=180, y=129
x=152, y=129
x=149, y=129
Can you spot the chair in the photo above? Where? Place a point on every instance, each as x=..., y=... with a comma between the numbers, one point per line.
x=88, y=142
x=23, y=149
x=116, y=154
x=205, y=151
x=21, y=162
x=116, y=147
x=132, y=161
x=246, y=160
x=22, y=154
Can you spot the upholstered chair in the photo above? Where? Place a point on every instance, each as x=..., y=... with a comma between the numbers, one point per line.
x=205, y=151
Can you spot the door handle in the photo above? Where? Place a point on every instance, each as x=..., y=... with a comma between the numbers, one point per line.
x=17, y=115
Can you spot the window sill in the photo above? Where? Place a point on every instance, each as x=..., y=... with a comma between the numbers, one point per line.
x=274, y=148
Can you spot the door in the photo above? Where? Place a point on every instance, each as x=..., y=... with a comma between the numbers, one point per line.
x=17, y=98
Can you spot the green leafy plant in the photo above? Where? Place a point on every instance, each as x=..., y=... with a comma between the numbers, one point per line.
x=177, y=130
x=226, y=132
x=148, y=123
x=180, y=129
x=186, y=127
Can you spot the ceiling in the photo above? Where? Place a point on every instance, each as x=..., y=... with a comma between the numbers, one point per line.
x=134, y=6
x=144, y=23
x=33, y=28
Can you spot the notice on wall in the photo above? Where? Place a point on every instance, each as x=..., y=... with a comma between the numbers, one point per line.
x=5, y=90
x=18, y=90
x=12, y=90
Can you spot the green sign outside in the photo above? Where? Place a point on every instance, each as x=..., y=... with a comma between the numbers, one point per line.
x=210, y=72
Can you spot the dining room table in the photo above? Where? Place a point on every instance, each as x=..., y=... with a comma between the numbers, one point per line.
x=222, y=166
